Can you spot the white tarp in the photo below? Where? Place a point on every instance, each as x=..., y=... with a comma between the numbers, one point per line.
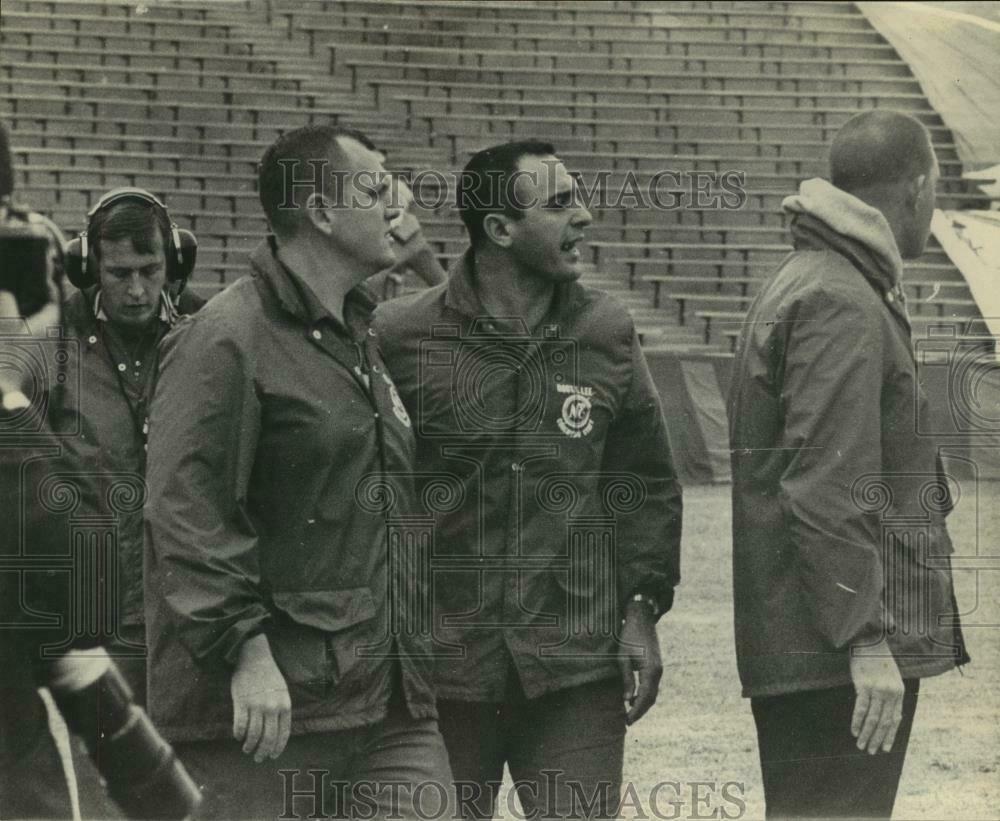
x=956, y=58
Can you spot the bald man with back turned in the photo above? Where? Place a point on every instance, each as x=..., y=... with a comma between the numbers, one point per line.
x=842, y=578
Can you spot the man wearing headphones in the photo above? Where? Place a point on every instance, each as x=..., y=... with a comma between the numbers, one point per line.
x=48, y=616
x=124, y=264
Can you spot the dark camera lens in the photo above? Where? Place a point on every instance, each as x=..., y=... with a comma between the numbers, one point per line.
x=24, y=268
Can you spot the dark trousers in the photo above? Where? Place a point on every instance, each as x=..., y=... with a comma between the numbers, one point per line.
x=396, y=769
x=33, y=784
x=564, y=751
x=810, y=762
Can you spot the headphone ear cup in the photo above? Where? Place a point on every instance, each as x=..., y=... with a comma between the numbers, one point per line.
x=76, y=265
x=182, y=269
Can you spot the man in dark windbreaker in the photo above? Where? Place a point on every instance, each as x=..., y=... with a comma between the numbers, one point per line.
x=275, y=434
x=53, y=614
x=545, y=463
x=841, y=569
x=125, y=271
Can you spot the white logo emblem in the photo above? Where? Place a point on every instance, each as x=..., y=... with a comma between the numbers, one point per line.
x=398, y=407
x=576, y=420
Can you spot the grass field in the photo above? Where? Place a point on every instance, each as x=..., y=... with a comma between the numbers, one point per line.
x=700, y=734
x=700, y=730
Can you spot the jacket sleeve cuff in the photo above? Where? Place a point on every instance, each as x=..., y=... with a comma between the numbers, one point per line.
x=225, y=647
x=662, y=594
x=877, y=629
x=244, y=632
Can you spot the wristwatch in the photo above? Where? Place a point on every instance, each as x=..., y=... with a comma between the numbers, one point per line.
x=649, y=601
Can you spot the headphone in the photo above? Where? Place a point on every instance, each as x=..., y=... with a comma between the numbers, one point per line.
x=181, y=252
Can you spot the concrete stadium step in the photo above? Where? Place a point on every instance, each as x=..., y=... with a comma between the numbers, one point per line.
x=418, y=31
x=757, y=254
x=15, y=104
x=80, y=195
x=138, y=59
x=625, y=8
x=180, y=80
x=366, y=71
x=745, y=20
x=767, y=141
x=114, y=9
x=319, y=34
x=157, y=94
x=144, y=25
x=204, y=136
x=748, y=122
x=113, y=42
x=636, y=17
x=703, y=180
x=67, y=141
x=72, y=221
x=182, y=165
x=514, y=34
x=922, y=275
x=185, y=168
x=662, y=110
x=675, y=68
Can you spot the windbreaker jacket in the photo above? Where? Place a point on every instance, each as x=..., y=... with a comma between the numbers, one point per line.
x=108, y=418
x=838, y=504
x=544, y=461
x=278, y=450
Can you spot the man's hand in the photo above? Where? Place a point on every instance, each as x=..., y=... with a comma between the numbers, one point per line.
x=262, y=708
x=878, y=706
x=639, y=653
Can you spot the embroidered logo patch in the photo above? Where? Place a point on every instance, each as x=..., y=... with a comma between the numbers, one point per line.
x=398, y=407
x=576, y=420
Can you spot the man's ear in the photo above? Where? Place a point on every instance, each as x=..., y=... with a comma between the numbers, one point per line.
x=914, y=191
x=319, y=213
x=497, y=229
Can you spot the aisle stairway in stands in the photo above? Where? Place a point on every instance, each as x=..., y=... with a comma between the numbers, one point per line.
x=182, y=98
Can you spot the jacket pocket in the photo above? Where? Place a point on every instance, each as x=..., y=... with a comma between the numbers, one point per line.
x=302, y=635
x=329, y=610
x=919, y=589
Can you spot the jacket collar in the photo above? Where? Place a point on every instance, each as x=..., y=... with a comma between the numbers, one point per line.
x=168, y=314
x=825, y=216
x=294, y=296
x=462, y=294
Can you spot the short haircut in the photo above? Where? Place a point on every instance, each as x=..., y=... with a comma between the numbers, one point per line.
x=358, y=136
x=293, y=158
x=484, y=186
x=879, y=147
x=135, y=219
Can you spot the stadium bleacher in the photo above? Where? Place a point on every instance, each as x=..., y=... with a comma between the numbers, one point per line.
x=182, y=97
